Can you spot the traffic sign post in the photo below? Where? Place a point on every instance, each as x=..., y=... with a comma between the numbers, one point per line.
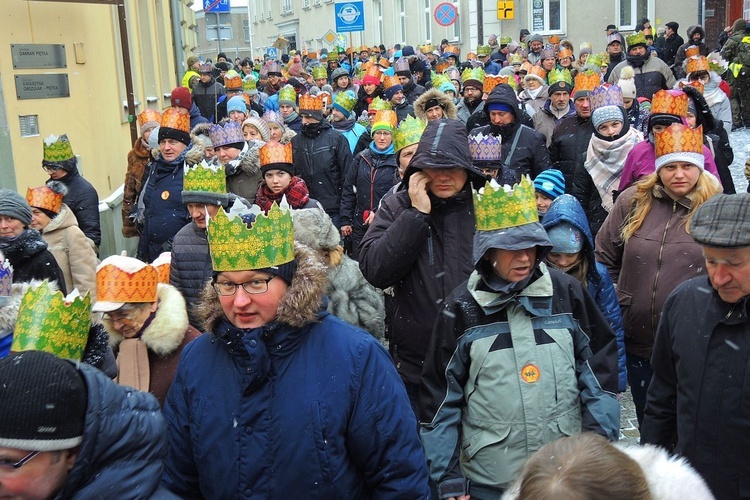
x=350, y=16
x=272, y=52
x=445, y=14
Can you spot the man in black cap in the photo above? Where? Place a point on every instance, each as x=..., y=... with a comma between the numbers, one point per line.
x=672, y=42
x=698, y=397
x=611, y=28
x=68, y=431
x=557, y=107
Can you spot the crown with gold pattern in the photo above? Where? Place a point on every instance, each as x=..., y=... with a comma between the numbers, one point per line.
x=45, y=198
x=287, y=93
x=385, y=119
x=692, y=51
x=232, y=80
x=515, y=59
x=378, y=104
x=475, y=75
x=149, y=116
x=319, y=72
x=492, y=81
x=485, y=148
x=409, y=132
x=696, y=63
x=235, y=247
x=426, y=48
x=309, y=102
x=695, y=83
x=163, y=264
x=121, y=280
x=679, y=143
x=204, y=178
x=669, y=102
x=537, y=71
x=451, y=51
x=585, y=81
x=177, y=118
x=383, y=63
x=57, y=149
x=634, y=39
x=390, y=81
x=50, y=322
x=563, y=53
x=275, y=152
x=6, y=278
x=500, y=207
x=442, y=65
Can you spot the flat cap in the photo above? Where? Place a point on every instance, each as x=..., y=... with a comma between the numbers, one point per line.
x=723, y=221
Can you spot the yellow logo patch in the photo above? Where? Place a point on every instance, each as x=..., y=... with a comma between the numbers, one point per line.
x=530, y=373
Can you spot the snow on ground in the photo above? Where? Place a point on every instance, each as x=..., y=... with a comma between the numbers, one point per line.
x=740, y=141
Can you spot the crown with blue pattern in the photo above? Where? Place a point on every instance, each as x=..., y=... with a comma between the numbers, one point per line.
x=229, y=133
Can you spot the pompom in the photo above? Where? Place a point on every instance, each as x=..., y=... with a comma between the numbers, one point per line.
x=627, y=72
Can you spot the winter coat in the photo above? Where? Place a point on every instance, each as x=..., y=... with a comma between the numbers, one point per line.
x=364, y=99
x=196, y=118
x=205, y=96
x=73, y=251
x=669, y=50
x=138, y=159
x=638, y=116
x=492, y=68
x=165, y=337
x=309, y=407
x=412, y=91
x=350, y=296
x=533, y=104
x=546, y=120
x=322, y=160
x=464, y=110
x=598, y=282
x=530, y=155
x=737, y=51
x=351, y=130
x=646, y=268
x=82, y=199
x=718, y=102
x=31, y=260
x=190, y=266
x=653, y=76
x=371, y=175
x=568, y=146
x=445, y=101
x=478, y=420
x=402, y=111
x=124, y=443
x=243, y=173
x=164, y=213
x=679, y=69
x=698, y=394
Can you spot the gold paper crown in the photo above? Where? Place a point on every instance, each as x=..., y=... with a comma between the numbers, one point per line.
x=498, y=207
x=204, y=177
x=149, y=115
x=408, y=132
x=554, y=39
x=696, y=63
x=442, y=65
x=426, y=48
x=384, y=119
x=669, y=102
x=176, y=118
x=44, y=197
x=451, y=50
x=378, y=104
x=57, y=149
x=233, y=80
x=390, y=81
x=48, y=321
x=163, y=264
x=471, y=56
x=114, y=284
x=537, y=71
x=235, y=247
x=563, y=53
x=695, y=83
x=374, y=71
x=476, y=74
x=275, y=152
x=383, y=62
x=309, y=102
x=586, y=81
x=492, y=81
x=692, y=51
x=677, y=138
x=515, y=58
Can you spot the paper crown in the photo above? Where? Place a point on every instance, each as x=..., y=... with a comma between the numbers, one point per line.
x=205, y=178
x=235, y=247
x=229, y=133
x=500, y=207
x=232, y=80
x=554, y=39
x=556, y=76
x=442, y=65
x=669, y=102
x=401, y=64
x=492, y=81
x=384, y=119
x=585, y=81
x=537, y=71
x=378, y=104
x=606, y=95
x=273, y=68
x=249, y=83
x=451, y=51
x=505, y=40
x=408, y=132
x=692, y=51
x=453, y=73
x=476, y=74
x=526, y=66
x=383, y=62
x=426, y=48
x=6, y=278
x=57, y=149
x=319, y=72
x=390, y=81
x=483, y=50
x=48, y=321
x=696, y=63
x=471, y=56
x=275, y=152
x=485, y=148
x=205, y=67
x=695, y=83
x=437, y=80
x=163, y=264
x=176, y=118
x=287, y=93
x=346, y=100
x=115, y=283
x=515, y=59
x=563, y=53
x=597, y=60
x=44, y=197
x=678, y=143
x=149, y=115
x=637, y=38
x=309, y=102
x=547, y=52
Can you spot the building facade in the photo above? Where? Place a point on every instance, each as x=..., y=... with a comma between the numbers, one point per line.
x=228, y=33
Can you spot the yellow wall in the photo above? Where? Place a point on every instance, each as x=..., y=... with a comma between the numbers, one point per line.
x=93, y=116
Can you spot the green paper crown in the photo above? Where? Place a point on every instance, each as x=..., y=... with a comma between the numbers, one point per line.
x=409, y=132
x=637, y=38
x=268, y=243
x=319, y=72
x=598, y=60
x=49, y=322
x=473, y=74
x=379, y=104
x=499, y=207
x=556, y=76
x=57, y=149
x=205, y=178
x=505, y=40
x=483, y=50
x=249, y=83
x=438, y=79
x=287, y=93
x=346, y=100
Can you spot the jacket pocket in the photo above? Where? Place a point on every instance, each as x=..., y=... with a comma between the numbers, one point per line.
x=625, y=299
x=321, y=440
x=569, y=423
x=493, y=454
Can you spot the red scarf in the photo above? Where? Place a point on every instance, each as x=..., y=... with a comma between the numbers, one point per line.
x=296, y=194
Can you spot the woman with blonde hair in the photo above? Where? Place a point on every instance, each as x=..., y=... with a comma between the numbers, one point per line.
x=646, y=245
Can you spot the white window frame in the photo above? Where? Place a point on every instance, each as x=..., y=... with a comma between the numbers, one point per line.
x=545, y=29
x=427, y=21
x=379, y=20
x=457, y=24
x=286, y=6
x=402, y=21
x=634, y=16
x=246, y=30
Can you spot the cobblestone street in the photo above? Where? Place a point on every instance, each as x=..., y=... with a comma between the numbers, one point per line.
x=628, y=422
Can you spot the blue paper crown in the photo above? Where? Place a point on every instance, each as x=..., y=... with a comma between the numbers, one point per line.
x=485, y=147
x=230, y=133
x=606, y=95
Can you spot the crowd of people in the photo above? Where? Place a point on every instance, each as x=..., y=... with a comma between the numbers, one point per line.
x=396, y=273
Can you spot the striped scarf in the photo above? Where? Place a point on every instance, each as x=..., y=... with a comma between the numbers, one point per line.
x=605, y=160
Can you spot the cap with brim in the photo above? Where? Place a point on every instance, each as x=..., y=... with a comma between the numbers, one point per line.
x=723, y=221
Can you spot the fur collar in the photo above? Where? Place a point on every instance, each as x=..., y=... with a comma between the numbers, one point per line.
x=299, y=306
x=194, y=155
x=9, y=310
x=442, y=98
x=287, y=135
x=167, y=331
x=62, y=221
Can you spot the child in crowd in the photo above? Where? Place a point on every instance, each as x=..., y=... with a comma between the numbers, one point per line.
x=547, y=186
x=279, y=180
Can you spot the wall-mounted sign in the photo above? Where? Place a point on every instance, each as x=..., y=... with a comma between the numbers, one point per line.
x=38, y=55
x=44, y=86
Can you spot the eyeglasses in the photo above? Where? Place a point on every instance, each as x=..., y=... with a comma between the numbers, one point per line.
x=6, y=464
x=51, y=168
x=122, y=315
x=226, y=288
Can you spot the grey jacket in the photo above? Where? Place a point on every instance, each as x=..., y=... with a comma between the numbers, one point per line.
x=191, y=266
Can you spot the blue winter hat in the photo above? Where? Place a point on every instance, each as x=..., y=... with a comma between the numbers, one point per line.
x=236, y=103
x=551, y=183
x=391, y=91
x=499, y=106
x=565, y=238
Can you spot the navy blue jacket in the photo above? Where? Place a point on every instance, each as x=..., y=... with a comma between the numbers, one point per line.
x=598, y=282
x=83, y=200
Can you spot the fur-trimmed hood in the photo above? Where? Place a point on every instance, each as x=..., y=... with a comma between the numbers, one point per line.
x=9, y=307
x=300, y=305
x=287, y=135
x=442, y=98
x=248, y=161
x=167, y=330
x=63, y=220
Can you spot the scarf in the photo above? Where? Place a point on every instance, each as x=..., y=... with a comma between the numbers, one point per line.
x=291, y=118
x=343, y=125
x=296, y=194
x=387, y=151
x=604, y=162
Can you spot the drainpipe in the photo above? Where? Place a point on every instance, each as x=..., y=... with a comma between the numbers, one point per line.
x=480, y=22
x=174, y=7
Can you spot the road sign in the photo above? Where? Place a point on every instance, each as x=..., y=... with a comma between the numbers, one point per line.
x=350, y=16
x=272, y=52
x=215, y=5
x=505, y=9
x=329, y=37
x=446, y=14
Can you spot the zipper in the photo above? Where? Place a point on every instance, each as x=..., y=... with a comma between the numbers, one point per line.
x=658, y=270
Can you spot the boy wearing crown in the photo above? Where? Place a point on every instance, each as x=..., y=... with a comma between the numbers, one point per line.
x=520, y=356
x=279, y=399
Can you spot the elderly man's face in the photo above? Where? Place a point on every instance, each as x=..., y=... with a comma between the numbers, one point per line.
x=43, y=476
x=614, y=48
x=583, y=107
x=536, y=46
x=729, y=271
x=560, y=100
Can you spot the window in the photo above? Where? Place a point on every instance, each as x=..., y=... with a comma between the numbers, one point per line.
x=246, y=29
x=427, y=21
x=402, y=18
x=548, y=16
x=379, y=18
x=457, y=24
x=286, y=6
x=630, y=12
x=305, y=4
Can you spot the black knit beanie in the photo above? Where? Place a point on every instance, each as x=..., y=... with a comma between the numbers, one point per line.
x=173, y=133
x=286, y=167
x=43, y=402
